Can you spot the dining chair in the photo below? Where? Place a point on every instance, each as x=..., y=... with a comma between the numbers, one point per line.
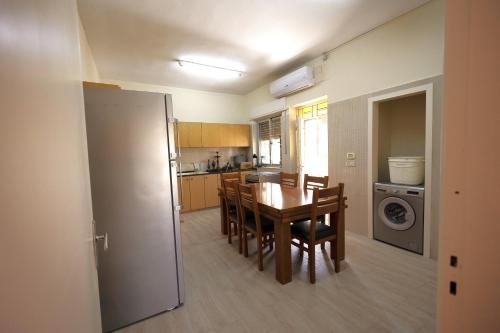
x=253, y=222
x=232, y=211
x=310, y=182
x=325, y=201
x=289, y=179
x=229, y=206
x=229, y=176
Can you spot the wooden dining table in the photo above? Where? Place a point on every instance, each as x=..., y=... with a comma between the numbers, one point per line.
x=283, y=205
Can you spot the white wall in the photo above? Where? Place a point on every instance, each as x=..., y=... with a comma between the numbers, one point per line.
x=48, y=280
x=404, y=50
x=197, y=105
x=89, y=68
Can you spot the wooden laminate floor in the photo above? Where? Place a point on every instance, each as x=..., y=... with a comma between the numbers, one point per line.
x=379, y=289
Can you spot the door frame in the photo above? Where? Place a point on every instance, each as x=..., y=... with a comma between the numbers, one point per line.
x=373, y=118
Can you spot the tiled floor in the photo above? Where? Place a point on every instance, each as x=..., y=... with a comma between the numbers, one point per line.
x=379, y=289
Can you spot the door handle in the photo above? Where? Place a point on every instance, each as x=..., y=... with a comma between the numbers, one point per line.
x=104, y=238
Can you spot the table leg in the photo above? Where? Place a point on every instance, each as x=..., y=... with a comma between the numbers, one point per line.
x=283, y=252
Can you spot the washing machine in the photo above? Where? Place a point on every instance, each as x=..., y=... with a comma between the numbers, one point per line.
x=398, y=215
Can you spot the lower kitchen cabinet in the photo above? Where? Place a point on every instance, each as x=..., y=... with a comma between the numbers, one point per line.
x=211, y=191
x=199, y=192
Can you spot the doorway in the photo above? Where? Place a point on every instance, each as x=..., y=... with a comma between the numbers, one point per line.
x=313, y=139
x=377, y=150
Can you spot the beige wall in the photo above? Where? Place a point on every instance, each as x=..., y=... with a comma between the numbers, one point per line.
x=401, y=130
x=470, y=226
x=89, y=68
x=197, y=105
x=48, y=278
x=348, y=132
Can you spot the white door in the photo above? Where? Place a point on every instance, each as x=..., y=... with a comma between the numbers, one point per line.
x=314, y=144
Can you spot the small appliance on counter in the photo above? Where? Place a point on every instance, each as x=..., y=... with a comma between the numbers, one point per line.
x=238, y=159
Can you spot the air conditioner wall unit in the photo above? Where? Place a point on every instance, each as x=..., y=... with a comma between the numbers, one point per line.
x=293, y=82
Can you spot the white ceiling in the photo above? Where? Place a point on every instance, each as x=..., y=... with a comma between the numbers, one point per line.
x=136, y=40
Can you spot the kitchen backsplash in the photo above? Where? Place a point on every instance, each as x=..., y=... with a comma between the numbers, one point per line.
x=202, y=155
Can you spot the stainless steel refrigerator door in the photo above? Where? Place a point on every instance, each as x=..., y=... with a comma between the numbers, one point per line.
x=131, y=182
x=174, y=166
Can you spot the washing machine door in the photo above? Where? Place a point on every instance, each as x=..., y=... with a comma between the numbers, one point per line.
x=396, y=213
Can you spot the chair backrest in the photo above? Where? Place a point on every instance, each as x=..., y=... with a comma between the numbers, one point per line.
x=247, y=199
x=229, y=176
x=289, y=179
x=325, y=201
x=245, y=165
x=229, y=186
x=311, y=182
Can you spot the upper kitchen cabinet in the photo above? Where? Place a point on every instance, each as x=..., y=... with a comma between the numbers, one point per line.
x=242, y=137
x=189, y=134
x=211, y=135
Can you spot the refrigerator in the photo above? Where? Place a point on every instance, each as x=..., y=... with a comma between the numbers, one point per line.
x=133, y=176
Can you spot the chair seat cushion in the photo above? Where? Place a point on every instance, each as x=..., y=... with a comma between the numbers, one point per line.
x=231, y=207
x=301, y=230
x=233, y=216
x=267, y=225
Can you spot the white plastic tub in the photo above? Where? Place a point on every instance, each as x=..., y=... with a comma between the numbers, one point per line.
x=408, y=170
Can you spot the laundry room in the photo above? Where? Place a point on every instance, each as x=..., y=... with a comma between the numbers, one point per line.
x=404, y=203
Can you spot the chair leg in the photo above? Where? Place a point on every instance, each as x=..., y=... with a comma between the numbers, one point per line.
x=245, y=242
x=260, y=253
x=335, y=255
x=229, y=232
x=322, y=245
x=301, y=249
x=235, y=230
x=312, y=262
x=240, y=238
x=271, y=242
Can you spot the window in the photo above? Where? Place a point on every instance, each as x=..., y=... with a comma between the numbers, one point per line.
x=270, y=141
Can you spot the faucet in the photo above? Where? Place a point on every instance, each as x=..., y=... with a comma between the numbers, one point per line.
x=194, y=166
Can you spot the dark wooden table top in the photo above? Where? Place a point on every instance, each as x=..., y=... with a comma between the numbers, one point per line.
x=282, y=197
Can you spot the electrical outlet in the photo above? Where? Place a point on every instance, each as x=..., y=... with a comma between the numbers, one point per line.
x=351, y=156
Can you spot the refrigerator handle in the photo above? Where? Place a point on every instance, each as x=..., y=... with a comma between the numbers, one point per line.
x=179, y=163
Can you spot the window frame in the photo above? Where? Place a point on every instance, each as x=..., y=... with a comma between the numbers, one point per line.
x=269, y=121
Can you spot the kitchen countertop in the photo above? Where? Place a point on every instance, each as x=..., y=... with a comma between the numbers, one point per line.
x=199, y=173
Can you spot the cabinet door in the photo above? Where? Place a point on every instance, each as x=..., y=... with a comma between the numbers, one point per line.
x=211, y=135
x=186, y=196
x=197, y=191
x=241, y=136
x=211, y=191
x=194, y=134
x=189, y=134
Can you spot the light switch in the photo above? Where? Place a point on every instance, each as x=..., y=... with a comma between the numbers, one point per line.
x=350, y=163
x=351, y=156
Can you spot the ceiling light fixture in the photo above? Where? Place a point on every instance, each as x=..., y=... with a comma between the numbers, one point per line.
x=211, y=71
